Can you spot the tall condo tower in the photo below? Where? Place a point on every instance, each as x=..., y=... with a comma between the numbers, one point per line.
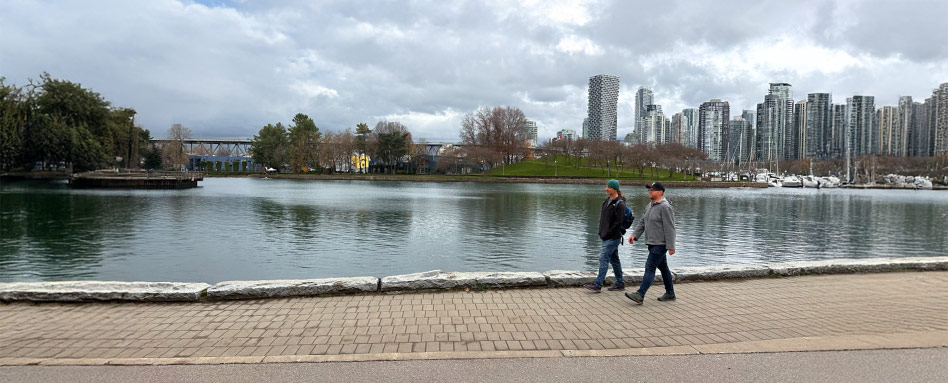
x=603, y=101
x=818, y=133
x=643, y=98
x=775, y=124
x=713, y=125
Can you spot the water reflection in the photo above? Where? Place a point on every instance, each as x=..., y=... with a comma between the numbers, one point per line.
x=237, y=228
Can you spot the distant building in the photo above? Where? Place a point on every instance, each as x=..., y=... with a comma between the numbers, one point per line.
x=713, y=117
x=863, y=135
x=603, y=103
x=677, y=129
x=797, y=145
x=565, y=134
x=653, y=125
x=906, y=127
x=632, y=138
x=531, y=132
x=643, y=97
x=689, y=127
x=840, y=129
x=818, y=125
x=860, y=130
x=775, y=123
x=751, y=117
x=940, y=120
x=887, y=120
x=740, y=143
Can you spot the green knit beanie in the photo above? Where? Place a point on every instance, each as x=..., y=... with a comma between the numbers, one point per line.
x=613, y=184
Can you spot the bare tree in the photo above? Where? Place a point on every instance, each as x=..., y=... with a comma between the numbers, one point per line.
x=449, y=161
x=348, y=147
x=173, y=153
x=500, y=129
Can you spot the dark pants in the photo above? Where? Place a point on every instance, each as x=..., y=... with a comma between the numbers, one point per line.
x=656, y=259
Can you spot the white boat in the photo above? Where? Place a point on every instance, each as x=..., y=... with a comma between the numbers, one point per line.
x=771, y=180
x=922, y=183
x=829, y=182
x=809, y=181
x=792, y=182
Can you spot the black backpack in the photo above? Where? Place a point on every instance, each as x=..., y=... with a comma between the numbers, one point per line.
x=627, y=218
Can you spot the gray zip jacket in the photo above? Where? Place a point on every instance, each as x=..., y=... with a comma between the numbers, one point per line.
x=658, y=225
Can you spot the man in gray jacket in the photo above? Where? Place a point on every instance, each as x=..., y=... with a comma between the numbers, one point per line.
x=657, y=230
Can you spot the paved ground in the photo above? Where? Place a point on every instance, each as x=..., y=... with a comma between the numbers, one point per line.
x=864, y=366
x=862, y=311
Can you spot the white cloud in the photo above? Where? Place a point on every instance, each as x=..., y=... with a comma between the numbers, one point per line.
x=433, y=127
x=311, y=89
x=573, y=44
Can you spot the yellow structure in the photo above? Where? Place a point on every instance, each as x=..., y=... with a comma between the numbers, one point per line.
x=360, y=162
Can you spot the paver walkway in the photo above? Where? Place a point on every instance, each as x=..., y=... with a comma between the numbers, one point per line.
x=860, y=311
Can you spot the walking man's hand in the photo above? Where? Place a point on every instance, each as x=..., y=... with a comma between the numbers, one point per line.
x=671, y=252
x=631, y=239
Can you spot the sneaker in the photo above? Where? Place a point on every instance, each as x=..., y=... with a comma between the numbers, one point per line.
x=667, y=297
x=635, y=297
x=617, y=288
x=593, y=287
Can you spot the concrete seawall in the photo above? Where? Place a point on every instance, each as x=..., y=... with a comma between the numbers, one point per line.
x=86, y=291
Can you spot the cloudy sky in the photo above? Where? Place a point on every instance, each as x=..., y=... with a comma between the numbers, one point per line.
x=226, y=68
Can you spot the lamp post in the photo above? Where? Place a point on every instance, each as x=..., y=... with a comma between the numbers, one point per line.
x=131, y=126
x=554, y=168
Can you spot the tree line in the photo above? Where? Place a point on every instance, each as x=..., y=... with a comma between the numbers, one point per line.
x=54, y=123
x=303, y=148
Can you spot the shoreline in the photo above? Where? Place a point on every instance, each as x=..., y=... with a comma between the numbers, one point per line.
x=510, y=179
x=490, y=179
x=435, y=280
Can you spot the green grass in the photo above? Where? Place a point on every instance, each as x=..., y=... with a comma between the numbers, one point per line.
x=539, y=168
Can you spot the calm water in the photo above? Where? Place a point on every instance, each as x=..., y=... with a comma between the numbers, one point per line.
x=235, y=228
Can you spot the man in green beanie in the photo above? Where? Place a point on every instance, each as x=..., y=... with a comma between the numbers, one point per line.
x=610, y=232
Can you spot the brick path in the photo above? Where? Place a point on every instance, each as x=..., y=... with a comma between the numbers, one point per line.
x=782, y=314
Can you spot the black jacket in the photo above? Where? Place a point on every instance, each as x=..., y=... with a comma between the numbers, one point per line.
x=610, y=219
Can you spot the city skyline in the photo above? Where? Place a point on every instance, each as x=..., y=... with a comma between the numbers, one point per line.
x=226, y=68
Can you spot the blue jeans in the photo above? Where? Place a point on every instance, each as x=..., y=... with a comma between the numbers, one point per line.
x=656, y=259
x=610, y=254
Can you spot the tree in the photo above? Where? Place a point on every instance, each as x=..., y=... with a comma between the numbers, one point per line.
x=173, y=153
x=304, y=139
x=59, y=121
x=14, y=108
x=392, y=139
x=152, y=158
x=418, y=152
x=124, y=136
x=347, y=147
x=501, y=129
x=362, y=134
x=330, y=152
x=268, y=147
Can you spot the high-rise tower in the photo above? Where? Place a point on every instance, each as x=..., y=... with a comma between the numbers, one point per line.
x=603, y=101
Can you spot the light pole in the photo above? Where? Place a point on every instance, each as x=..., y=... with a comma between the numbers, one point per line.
x=554, y=168
x=131, y=126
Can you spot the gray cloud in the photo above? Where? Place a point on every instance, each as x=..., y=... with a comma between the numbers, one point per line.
x=229, y=68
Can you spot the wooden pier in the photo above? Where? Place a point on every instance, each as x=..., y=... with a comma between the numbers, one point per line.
x=136, y=180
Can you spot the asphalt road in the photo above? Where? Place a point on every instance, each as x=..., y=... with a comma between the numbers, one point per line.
x=909, y=365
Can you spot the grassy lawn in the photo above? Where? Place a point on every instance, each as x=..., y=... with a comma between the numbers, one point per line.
x=538, y=168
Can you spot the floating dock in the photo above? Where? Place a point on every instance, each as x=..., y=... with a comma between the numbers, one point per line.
x=136, y=180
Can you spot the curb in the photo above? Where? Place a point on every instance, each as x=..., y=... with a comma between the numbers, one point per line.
x=911, y=340
x=86, y=291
